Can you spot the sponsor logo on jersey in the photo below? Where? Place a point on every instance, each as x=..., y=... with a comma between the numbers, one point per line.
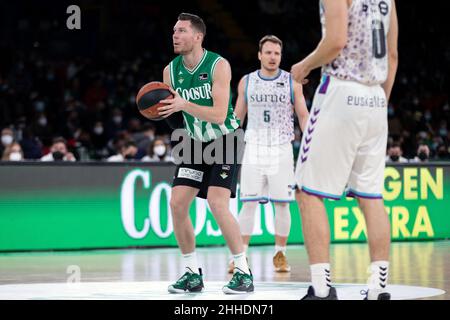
x=280, y=84
x=224, y=175
x=272, y=98
x=203, y=76
x=196, y=93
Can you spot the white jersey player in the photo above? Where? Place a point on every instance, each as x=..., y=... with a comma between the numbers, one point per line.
x=343, y=148
x=270, y=97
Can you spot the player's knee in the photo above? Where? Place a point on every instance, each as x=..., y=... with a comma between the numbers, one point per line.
x=178, y=207
x=217, y=205
x=249, y=206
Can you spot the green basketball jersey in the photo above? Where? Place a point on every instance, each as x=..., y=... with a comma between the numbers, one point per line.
x=195, y=86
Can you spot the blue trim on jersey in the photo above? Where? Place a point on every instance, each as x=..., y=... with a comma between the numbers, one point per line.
x=281, y=201
x=246, y=88
x=255, y=199
x=321, y=194
x=364, y=195
x=269, y=79
x=292, y=89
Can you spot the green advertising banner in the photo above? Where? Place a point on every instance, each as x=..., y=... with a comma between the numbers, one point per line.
x=78, y=206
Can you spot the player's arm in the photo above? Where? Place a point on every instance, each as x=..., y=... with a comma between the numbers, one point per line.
x=166, y=76
x=335, y=39
x=220, y=95
x=241, y=103
x=300, y=105
x=392, y=37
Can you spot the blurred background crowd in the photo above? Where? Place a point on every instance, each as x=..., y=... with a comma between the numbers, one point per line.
x=70, y=94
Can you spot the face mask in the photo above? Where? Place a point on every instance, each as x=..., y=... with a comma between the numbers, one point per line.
x=443, y=132
x=395, y=158
x=42, y=121
x=58, y=156
x=423, y=135
x=422, y=156
x=7, y=139
x=159, y=150
x=428, y=116
x=117, y=119
x=15, y=156
x=98, y=130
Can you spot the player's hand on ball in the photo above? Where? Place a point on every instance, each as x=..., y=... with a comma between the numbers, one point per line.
x=172, y=105
x=300, y=71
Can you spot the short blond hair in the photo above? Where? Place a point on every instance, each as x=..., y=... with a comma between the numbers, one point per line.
x=270, y=38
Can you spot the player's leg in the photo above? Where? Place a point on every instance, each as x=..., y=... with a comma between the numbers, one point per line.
x=186, y=184
x=180, y=201
x=222, y=181
x=366, y=184
x=316, y=234
x=219, y=202
x=281, y=182
x=327, y=153
x=282, y=229
x=253, y=191
x=378, y=232
x=246, y=220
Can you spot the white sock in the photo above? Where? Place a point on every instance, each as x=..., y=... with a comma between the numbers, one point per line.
x=379, y=272
x=321, y=280
x=245, y=250
x=280, y=248
x=240, y=262
x=190, y=262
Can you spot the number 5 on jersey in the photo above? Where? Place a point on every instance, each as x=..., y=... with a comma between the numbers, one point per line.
x=266, y=115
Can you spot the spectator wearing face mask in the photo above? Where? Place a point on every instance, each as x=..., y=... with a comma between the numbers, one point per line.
x=158, y=152
x=13, y=152
x=423, y=154
x=127, y=151
x=394, y=154
x=7, y=139
x=58, y=151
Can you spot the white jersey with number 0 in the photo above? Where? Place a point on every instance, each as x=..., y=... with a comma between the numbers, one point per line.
x=364, y=58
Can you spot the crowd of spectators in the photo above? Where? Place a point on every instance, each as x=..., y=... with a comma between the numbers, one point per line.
x=61, y=101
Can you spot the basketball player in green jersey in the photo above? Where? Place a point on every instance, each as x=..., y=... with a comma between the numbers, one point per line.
x=201, y=87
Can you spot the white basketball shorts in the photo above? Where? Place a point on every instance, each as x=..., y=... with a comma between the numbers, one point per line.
x=267, y=173
x=344, y=145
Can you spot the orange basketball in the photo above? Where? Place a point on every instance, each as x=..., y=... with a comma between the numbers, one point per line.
x=148, y=99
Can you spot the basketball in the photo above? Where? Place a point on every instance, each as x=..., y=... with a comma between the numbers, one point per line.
x=148, y=99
